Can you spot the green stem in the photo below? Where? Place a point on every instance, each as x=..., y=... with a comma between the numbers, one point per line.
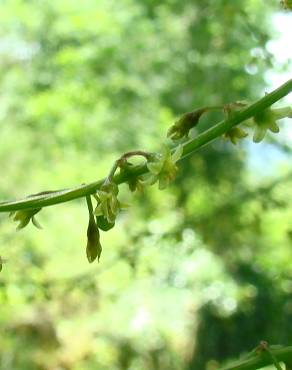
x=89, y=206
x=246, y=113
x=283, y=354
x=65, y=195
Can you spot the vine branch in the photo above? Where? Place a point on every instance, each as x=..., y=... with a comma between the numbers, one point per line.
x=50, y=198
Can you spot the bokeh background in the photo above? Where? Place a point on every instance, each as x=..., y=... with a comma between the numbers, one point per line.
x=190, y=277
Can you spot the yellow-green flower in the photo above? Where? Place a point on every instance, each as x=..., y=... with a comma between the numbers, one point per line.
x=163, y=167
x=93, y=247
x=135, y=183
x=267, y=120
x=234, y=134
x=108, y=203
x=23, y=216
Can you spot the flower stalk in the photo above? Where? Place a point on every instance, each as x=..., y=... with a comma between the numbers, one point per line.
x=65, y=195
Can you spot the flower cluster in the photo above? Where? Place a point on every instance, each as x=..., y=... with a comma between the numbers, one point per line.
x=23, y=216
x=163, y=167
x=108, y=204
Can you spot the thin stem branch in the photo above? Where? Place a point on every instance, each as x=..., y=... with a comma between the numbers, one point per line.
x=283, y=354
x=89, y=206
x=65, y=195
x=119, y=162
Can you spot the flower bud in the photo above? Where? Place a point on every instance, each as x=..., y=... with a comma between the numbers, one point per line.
x=187, y=121
x=108, y=204
x=93, y=247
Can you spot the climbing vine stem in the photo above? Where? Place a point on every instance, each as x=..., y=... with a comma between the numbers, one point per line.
x=258, y=359
x=189, y=147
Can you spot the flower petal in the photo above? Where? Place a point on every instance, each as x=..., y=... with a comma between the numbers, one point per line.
x=274, y=127
x=285, y=112
x=155, y=167
x=259, y=134
x=177, y=154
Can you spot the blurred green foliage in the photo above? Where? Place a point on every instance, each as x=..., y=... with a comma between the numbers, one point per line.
x=190, y=276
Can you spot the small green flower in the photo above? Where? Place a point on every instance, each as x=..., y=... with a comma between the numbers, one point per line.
x=135, y=183
x=234, y=134
x=93, y=247
x=266, y=120
x=108, y=204
x=163, y=168
x=23, y=216
x=182, y=126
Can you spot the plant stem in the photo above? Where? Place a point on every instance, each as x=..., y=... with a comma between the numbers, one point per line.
x=283, y=354
x=89, y=206
x=65, y=195
x=246, y=113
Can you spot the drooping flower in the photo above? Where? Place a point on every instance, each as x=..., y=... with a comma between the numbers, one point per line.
x=267, y=120
x=108, y=204
x=234, y=134
x=135, y=183
x=93, y=247
x=163, y=167
x=23, y=216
